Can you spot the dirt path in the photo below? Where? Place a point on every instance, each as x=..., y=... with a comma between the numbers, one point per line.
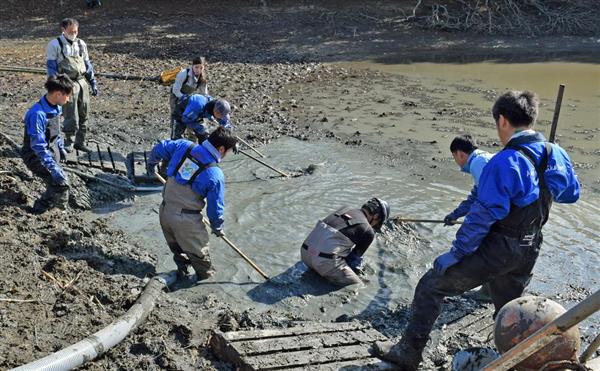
x=269, y=63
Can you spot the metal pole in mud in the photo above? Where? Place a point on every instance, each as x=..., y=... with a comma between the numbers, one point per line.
x=425, y=220
x=546, y=334
x=42, y=71
x=264, y=163
x=231, y=244
x=561, y=90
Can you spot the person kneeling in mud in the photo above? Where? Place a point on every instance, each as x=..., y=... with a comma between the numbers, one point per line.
x=194, y=180
x=335, y=247
x=43, y=147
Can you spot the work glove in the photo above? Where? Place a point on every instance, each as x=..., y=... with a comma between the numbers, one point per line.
x=218, y=232
x=354, y=261
x=444, y=261
x=94, y=87
x=59, y=177
x=62, y=154
x=151, y=169
x=449, y=219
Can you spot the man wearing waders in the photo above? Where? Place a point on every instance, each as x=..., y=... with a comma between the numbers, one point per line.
x=500, y=238
x=43, y=147
x=187, y=82
x=193, y=180
x=69, y=55
x=335, y=247
x=192, y=110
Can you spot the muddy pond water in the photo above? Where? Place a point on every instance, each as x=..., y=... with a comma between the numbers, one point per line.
x=269, y=217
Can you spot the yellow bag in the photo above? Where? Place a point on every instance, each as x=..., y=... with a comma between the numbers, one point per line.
x=167, y=77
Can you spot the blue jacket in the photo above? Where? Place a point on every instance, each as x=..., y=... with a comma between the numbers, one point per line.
x=474, y=166
x=36, y=120
x=209, y=184
x=510, y=179
x=196, y=110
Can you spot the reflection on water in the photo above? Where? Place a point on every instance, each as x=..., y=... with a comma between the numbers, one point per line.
x=270, y=217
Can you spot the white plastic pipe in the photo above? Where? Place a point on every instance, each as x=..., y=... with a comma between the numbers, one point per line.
x=101, y=341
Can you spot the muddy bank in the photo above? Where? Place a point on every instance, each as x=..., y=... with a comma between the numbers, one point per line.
x=268, y=62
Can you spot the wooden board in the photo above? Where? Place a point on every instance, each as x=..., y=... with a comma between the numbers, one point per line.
x=99, y=159
x=307, y=345
x=136, y=162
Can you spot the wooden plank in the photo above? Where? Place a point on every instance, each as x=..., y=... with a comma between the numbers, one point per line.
x=73, y=159
x=225, y=351
x=308, y=357
x=303, y=328
x=306, y=341
x=359, y=364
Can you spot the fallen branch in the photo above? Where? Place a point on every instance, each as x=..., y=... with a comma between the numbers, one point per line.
x=72, y=281
x=19, y=300
x=53, y=279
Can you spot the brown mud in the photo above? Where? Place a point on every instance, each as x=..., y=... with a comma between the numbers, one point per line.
x=269, y=62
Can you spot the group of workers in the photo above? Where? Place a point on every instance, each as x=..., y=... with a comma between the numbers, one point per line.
x=497, y=244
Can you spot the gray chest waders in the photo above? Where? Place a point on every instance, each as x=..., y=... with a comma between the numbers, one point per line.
x=52, y=133
x=181, y=196
x=188, y=89
x=325, y=247
x=72, y=66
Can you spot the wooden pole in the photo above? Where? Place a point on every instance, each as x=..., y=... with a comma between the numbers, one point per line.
x=251, y=147
x=559, y=97
x=264, y=163
x=231, y=244
x=243, y=141
x=240, y=253
x=546, y=334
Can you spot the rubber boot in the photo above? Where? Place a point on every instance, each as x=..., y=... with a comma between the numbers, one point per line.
x=80, y=140
x=40, y=206
x=55, y=196
x=183, y=272
x=201, y=276
x=403, y=355
x=68, y=143
x=481, y=295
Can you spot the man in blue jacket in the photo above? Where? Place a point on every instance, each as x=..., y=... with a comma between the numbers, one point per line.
x=471, y=160
x=192, y=109
x=193, y=180
x=500, y=238
x=43, y=146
